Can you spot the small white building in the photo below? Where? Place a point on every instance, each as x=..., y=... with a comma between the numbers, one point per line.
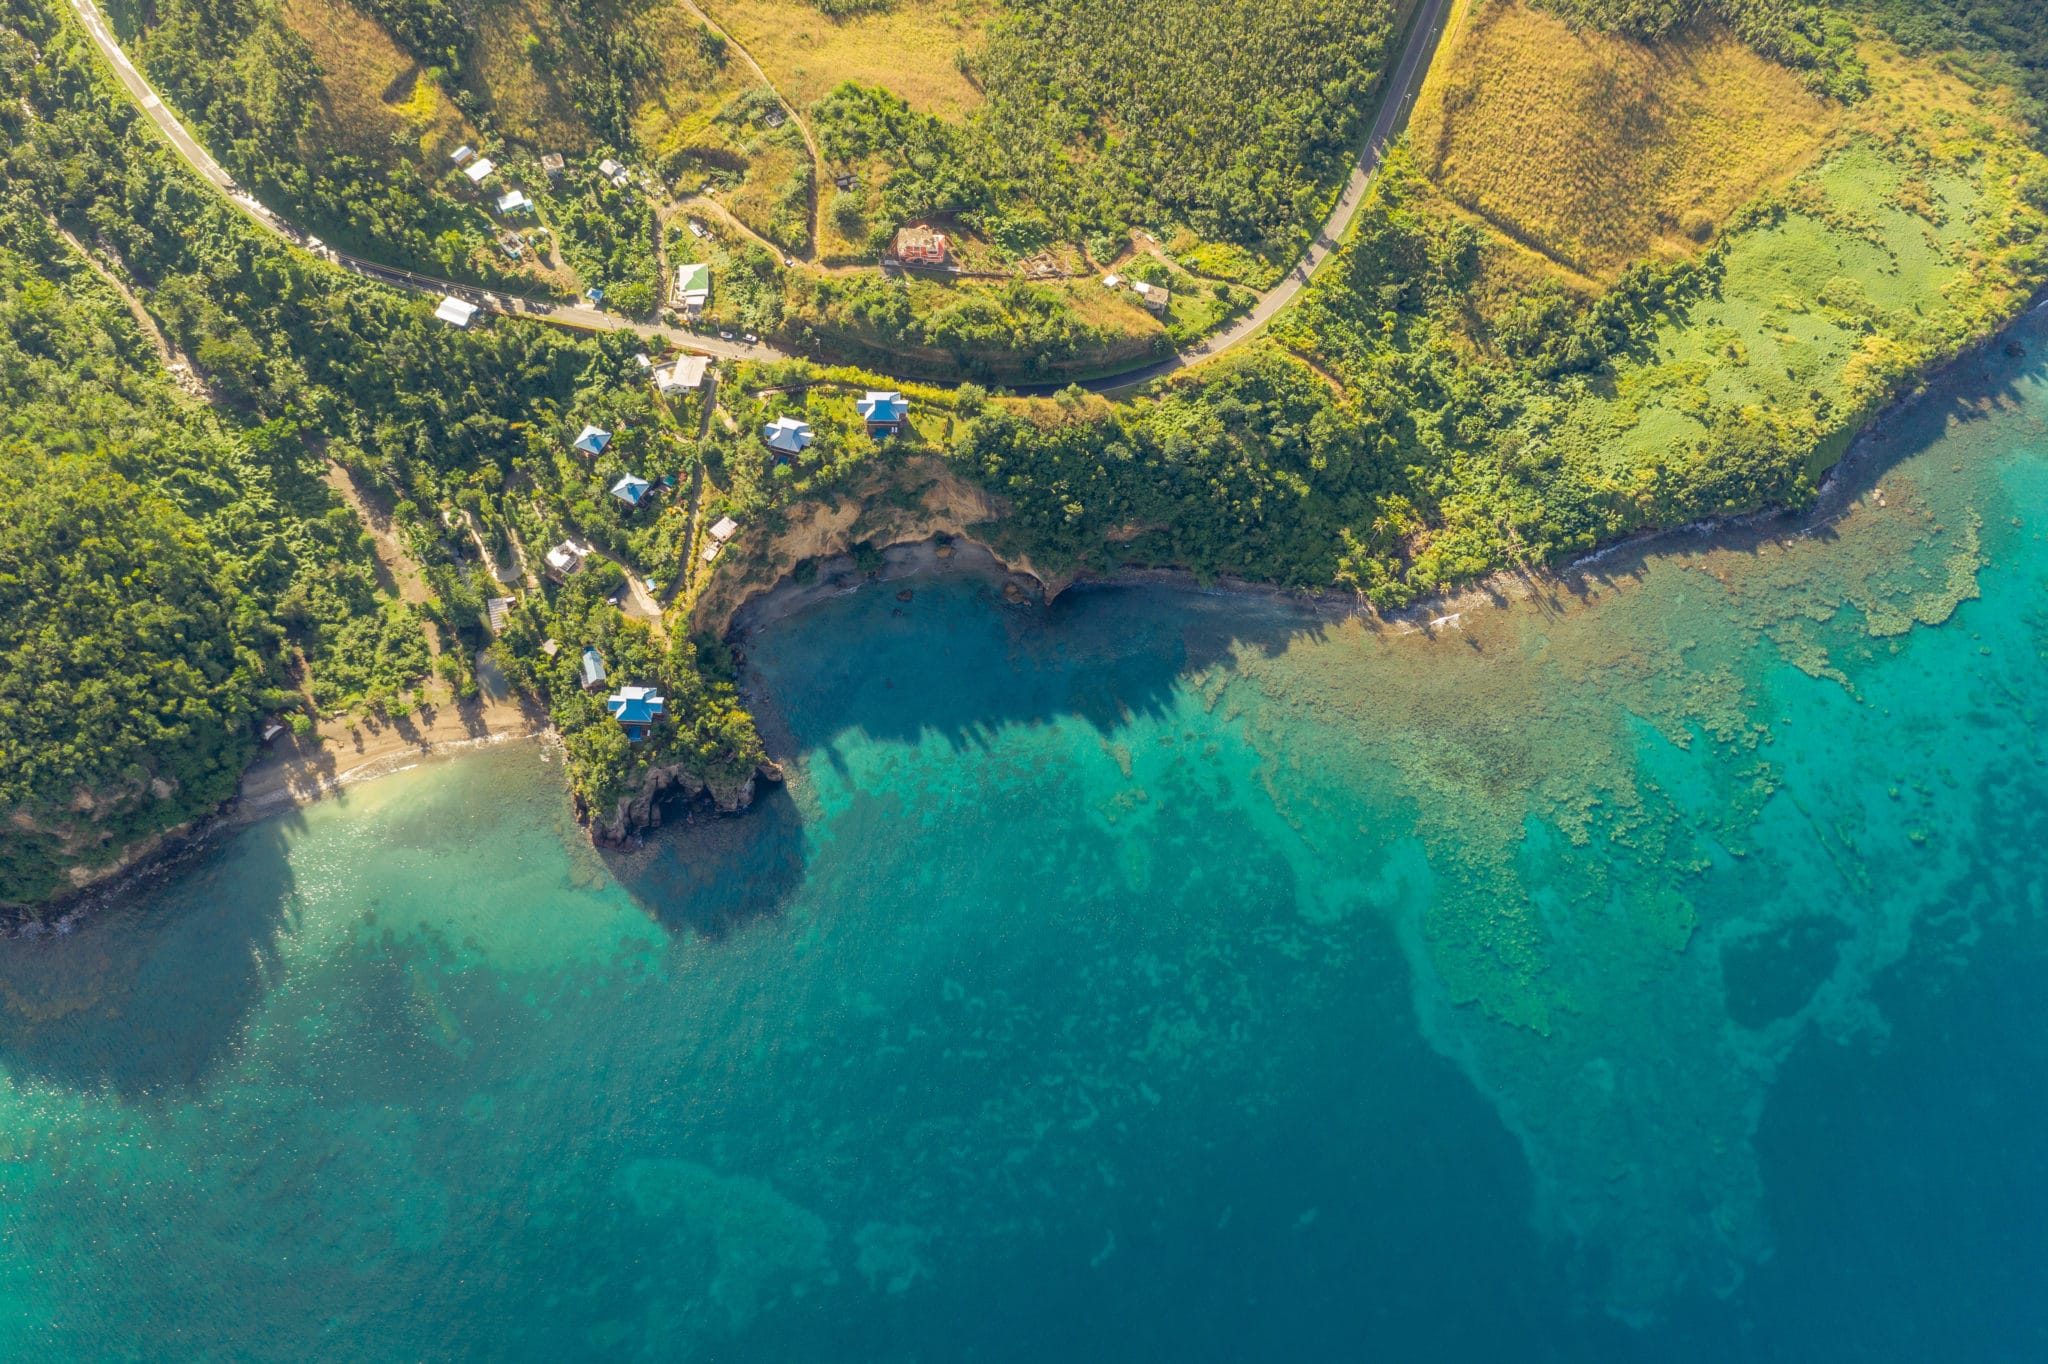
x=725, y=529
x=462, y=153
x=514, y=202
x=454, y=311
x=479, y=169
x=684, y=375
x=608, y=168
x=787, y=435
x=565, y=560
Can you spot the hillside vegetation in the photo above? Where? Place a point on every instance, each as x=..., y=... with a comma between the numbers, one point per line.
x=1597, y=150
x=183, y=569
x=164, y=575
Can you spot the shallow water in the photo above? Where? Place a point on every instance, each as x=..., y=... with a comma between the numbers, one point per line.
x=1641, y=971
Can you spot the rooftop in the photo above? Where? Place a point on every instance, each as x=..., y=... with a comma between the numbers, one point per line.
x=787, y=434
x=479, y=168
x=592, y=440
x=881, y=406
x=631, y=489
x=454, y=310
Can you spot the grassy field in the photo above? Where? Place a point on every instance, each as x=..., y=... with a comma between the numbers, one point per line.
x=1595, y=150
x=912, y=47
x=370, y=91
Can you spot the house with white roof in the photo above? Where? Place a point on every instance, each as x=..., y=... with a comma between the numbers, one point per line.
x=592, y=440
x=684, y=375
x=725, y=529
x=479, y=169
x=883, y=412
x=514, y=202
x=787, y=435
x=454, y=311
x=462, y=153
x=565, y=560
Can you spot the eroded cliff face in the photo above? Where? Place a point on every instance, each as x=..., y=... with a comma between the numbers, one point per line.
x=945, y=505
x=670, y=785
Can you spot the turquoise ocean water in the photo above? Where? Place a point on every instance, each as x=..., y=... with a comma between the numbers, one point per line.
x=1642, y=971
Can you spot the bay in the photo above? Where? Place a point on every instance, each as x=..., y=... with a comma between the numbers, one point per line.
x=1642, y=967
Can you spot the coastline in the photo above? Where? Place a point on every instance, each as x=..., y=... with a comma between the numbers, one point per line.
x=937, y=533
x=918, y=549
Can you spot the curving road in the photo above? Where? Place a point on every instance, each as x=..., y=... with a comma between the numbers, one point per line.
x=1395, y=103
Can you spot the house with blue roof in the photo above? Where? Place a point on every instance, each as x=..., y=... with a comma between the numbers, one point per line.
x=636, y=709
x=883, y=412
x=787, y=435
x=593, y=440
x=631, y=489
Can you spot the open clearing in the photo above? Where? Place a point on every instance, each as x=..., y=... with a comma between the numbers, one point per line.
x=375, y=104
x=911, y=48
x=1597, y=151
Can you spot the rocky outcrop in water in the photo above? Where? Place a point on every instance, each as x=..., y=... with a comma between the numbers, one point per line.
x=665, y=786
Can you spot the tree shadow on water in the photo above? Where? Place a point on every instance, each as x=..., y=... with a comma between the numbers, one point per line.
x=147, y=996
x=709, y=875
x=943, y=651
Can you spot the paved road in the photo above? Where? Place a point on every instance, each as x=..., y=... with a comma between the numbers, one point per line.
x=1399, y=98
x=1395, y=104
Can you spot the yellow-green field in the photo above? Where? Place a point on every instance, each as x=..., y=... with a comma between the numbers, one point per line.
x=1596, y=151
x=369, y=88
x=911, y=48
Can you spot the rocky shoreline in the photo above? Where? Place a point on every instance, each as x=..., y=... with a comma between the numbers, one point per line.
x=937, y=535
x=635, y=815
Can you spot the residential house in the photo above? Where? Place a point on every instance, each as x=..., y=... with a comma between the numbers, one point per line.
x=883, y=412
x=920, y=246
x=590, y=673
x=479, y=169
x=552, y=163
x=636, y=709
x=693, y=287
x=608, y=168
x=462, y=153
x=565, y=560
x=496, y=612
x=685, y=375
x=725, y=529
x=1155, y=297
x=631, y=489
x=593, y=440
x=454, y=311
x=787, y=435
x=514, y=202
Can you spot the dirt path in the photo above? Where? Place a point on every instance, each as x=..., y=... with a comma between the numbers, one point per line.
x=803, y=125
x=396, y=572
x=1397, y=97
x=175, y=362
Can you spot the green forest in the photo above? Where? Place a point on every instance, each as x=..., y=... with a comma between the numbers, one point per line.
x=185, y=568
x=180, y=571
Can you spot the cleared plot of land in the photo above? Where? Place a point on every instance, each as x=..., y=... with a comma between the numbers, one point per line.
x=369, y=88
x=912, y=48
x=524, y=104
x=1598, y=151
